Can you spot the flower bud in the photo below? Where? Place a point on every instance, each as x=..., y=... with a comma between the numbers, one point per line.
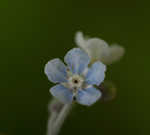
x=108, y=90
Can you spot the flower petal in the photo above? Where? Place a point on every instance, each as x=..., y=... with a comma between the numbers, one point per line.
x=88, y=96
x=56, y=71
x=62, y=93
x=115, y=53
x=96, y=73
x=96, y=48
x=77, y=60
x=80, y=40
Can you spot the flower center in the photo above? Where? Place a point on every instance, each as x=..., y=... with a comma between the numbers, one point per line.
x=75, y=82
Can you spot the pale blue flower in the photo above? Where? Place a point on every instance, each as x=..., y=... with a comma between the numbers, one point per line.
x=76, y=81
x=99, y=49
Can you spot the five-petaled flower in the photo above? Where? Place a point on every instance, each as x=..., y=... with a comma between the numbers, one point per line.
x=77, y=81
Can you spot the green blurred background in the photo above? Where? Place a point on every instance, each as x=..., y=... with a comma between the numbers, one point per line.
x=35, y=31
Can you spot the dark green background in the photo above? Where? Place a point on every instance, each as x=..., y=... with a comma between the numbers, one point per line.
x=35, y=31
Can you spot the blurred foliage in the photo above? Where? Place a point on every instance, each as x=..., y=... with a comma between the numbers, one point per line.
x=35, y=31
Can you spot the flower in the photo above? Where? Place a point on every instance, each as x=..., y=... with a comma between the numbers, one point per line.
x=98, y=49
x=75, y=82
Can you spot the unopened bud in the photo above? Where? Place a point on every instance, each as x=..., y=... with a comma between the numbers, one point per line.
x=108, y=90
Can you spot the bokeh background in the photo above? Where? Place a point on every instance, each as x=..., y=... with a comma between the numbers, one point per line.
x=35, y=31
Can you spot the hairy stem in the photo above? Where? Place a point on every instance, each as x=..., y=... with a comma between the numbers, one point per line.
x=60, y=119
x=51, y=120
x=56, y=120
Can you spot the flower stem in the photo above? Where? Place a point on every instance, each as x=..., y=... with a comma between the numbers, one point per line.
x=61, y=118
x=50, y=123
x=56, y=120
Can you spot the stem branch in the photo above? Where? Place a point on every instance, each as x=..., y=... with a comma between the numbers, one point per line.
x=57, y=119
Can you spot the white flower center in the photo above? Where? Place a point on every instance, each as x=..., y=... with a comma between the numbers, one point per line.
x=75, y=82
